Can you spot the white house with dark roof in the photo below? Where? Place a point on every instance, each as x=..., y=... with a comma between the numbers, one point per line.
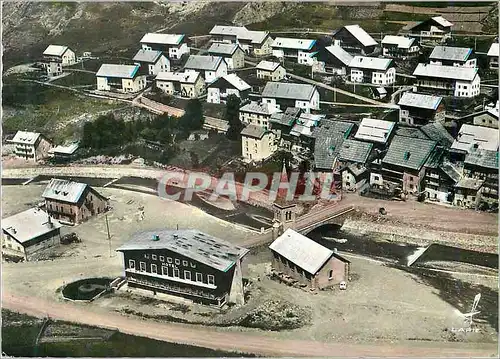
x=55, y=57
x=297, y=50
x=399, y=47
x=258, y=114
x=375, y=131
x=257, y=143
x=354, y=39
x=493, y=54
x=272, y=71
x=31, y=146
x=153, y=61
x=172, y=45
x=376, y=71
x=122, y=78
x=257, y=43
x=211, y=67
x=284, y=95
x=184, y=84
x=420, y=109
x=307, y=261
x=453, y=56
x=185, y=263
x=331, y=60
x=29, y=232
x=448, y=80
x=222, y=87
x=233, y=54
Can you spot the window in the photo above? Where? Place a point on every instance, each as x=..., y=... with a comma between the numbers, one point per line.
x=177, y=261
x=143, y=267
x=376, y=178
x=330, y=274
x=176, y=272
x=411, y=179
x=154, y=269
x=164, y=270
x=169, y=260
x=187, y=275
x=199, y=277
x=146, y=256
x=185, y=263
x=211, y=279
x=131, y=264
x=154, y=257
x=162, y=259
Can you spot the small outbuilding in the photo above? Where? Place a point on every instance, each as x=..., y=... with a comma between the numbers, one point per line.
x=307, y=261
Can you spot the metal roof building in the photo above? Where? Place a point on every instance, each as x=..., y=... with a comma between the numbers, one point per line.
x=292, y=91
x=446, y=72
x=471, y=136
x=450, y=53
x=218, y=48
x=302, y=251
x=370, y=63
x=119, y=71
x=211, y=251
x=164, y=39
x=64, y=190
x=417, y=100
x=148, y=56
x=292, y=43
x=203, y=62
x=374, y=130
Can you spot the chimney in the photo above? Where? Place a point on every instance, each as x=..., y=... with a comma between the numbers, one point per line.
x=156, y=237
x=334, y=250
x=49, y=222
x=176, y=236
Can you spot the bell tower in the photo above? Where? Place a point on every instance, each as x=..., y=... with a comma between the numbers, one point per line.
x=284, y=211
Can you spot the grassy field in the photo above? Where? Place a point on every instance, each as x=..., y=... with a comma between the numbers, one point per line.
x=19, y=333
x=35, y=107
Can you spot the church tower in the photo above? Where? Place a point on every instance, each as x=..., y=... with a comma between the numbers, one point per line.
x=284, y=211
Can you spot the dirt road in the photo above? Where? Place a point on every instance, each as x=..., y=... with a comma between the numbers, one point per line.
x=244, y=342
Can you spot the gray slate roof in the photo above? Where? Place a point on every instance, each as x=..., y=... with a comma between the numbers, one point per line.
x=446, y=72
x=470, y=183
x=450, y=53
x=292, y=91
x=259, y=108
x=286, y=118
x=211, y=251
x=202, y=62
x=355, y=151
x=253, y=131
x=326, y=149
x=342, y=55
x=64, y=190
x=148, y=56
x=218, y=48
x=119, y=71
x=417, y=100
x=482, y=158
x=410, y=132
x=328, y=126
x=437, y=132
x=409, y=152
x=302, y=251
x=451, y=171
x=29, y=224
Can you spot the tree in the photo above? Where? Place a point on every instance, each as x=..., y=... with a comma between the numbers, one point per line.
x=193, y=118
x=232, y=116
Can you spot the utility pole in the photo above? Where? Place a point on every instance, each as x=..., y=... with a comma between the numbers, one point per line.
x=109, y=236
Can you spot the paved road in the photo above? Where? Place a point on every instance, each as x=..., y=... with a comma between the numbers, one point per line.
x=250, y=342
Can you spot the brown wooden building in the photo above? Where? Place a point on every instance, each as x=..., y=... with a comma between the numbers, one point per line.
x=185, y=263
x=307, y=261
x=72, y=202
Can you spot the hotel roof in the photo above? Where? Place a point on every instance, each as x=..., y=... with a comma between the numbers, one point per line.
x=211, y=251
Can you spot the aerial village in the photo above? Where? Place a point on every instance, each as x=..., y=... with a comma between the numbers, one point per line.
x=411, y=149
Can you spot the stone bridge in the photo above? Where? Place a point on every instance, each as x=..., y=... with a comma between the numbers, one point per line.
x=336, y=215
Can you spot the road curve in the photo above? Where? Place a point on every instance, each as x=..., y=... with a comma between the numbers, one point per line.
x=244, y=342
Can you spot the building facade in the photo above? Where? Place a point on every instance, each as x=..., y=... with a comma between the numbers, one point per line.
x=296, y=50
x=372, y=70
x=72, y=202
x=257, y=43
x=272, y=71
x=183, y=84
x=173, y=46
x=120, y=78
x=31, y=146
x=257, y=114
x=436, y=29
x=185, y=263
x=308, y=262
x=152, y=61
x=28, y=233
x=257, y=143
